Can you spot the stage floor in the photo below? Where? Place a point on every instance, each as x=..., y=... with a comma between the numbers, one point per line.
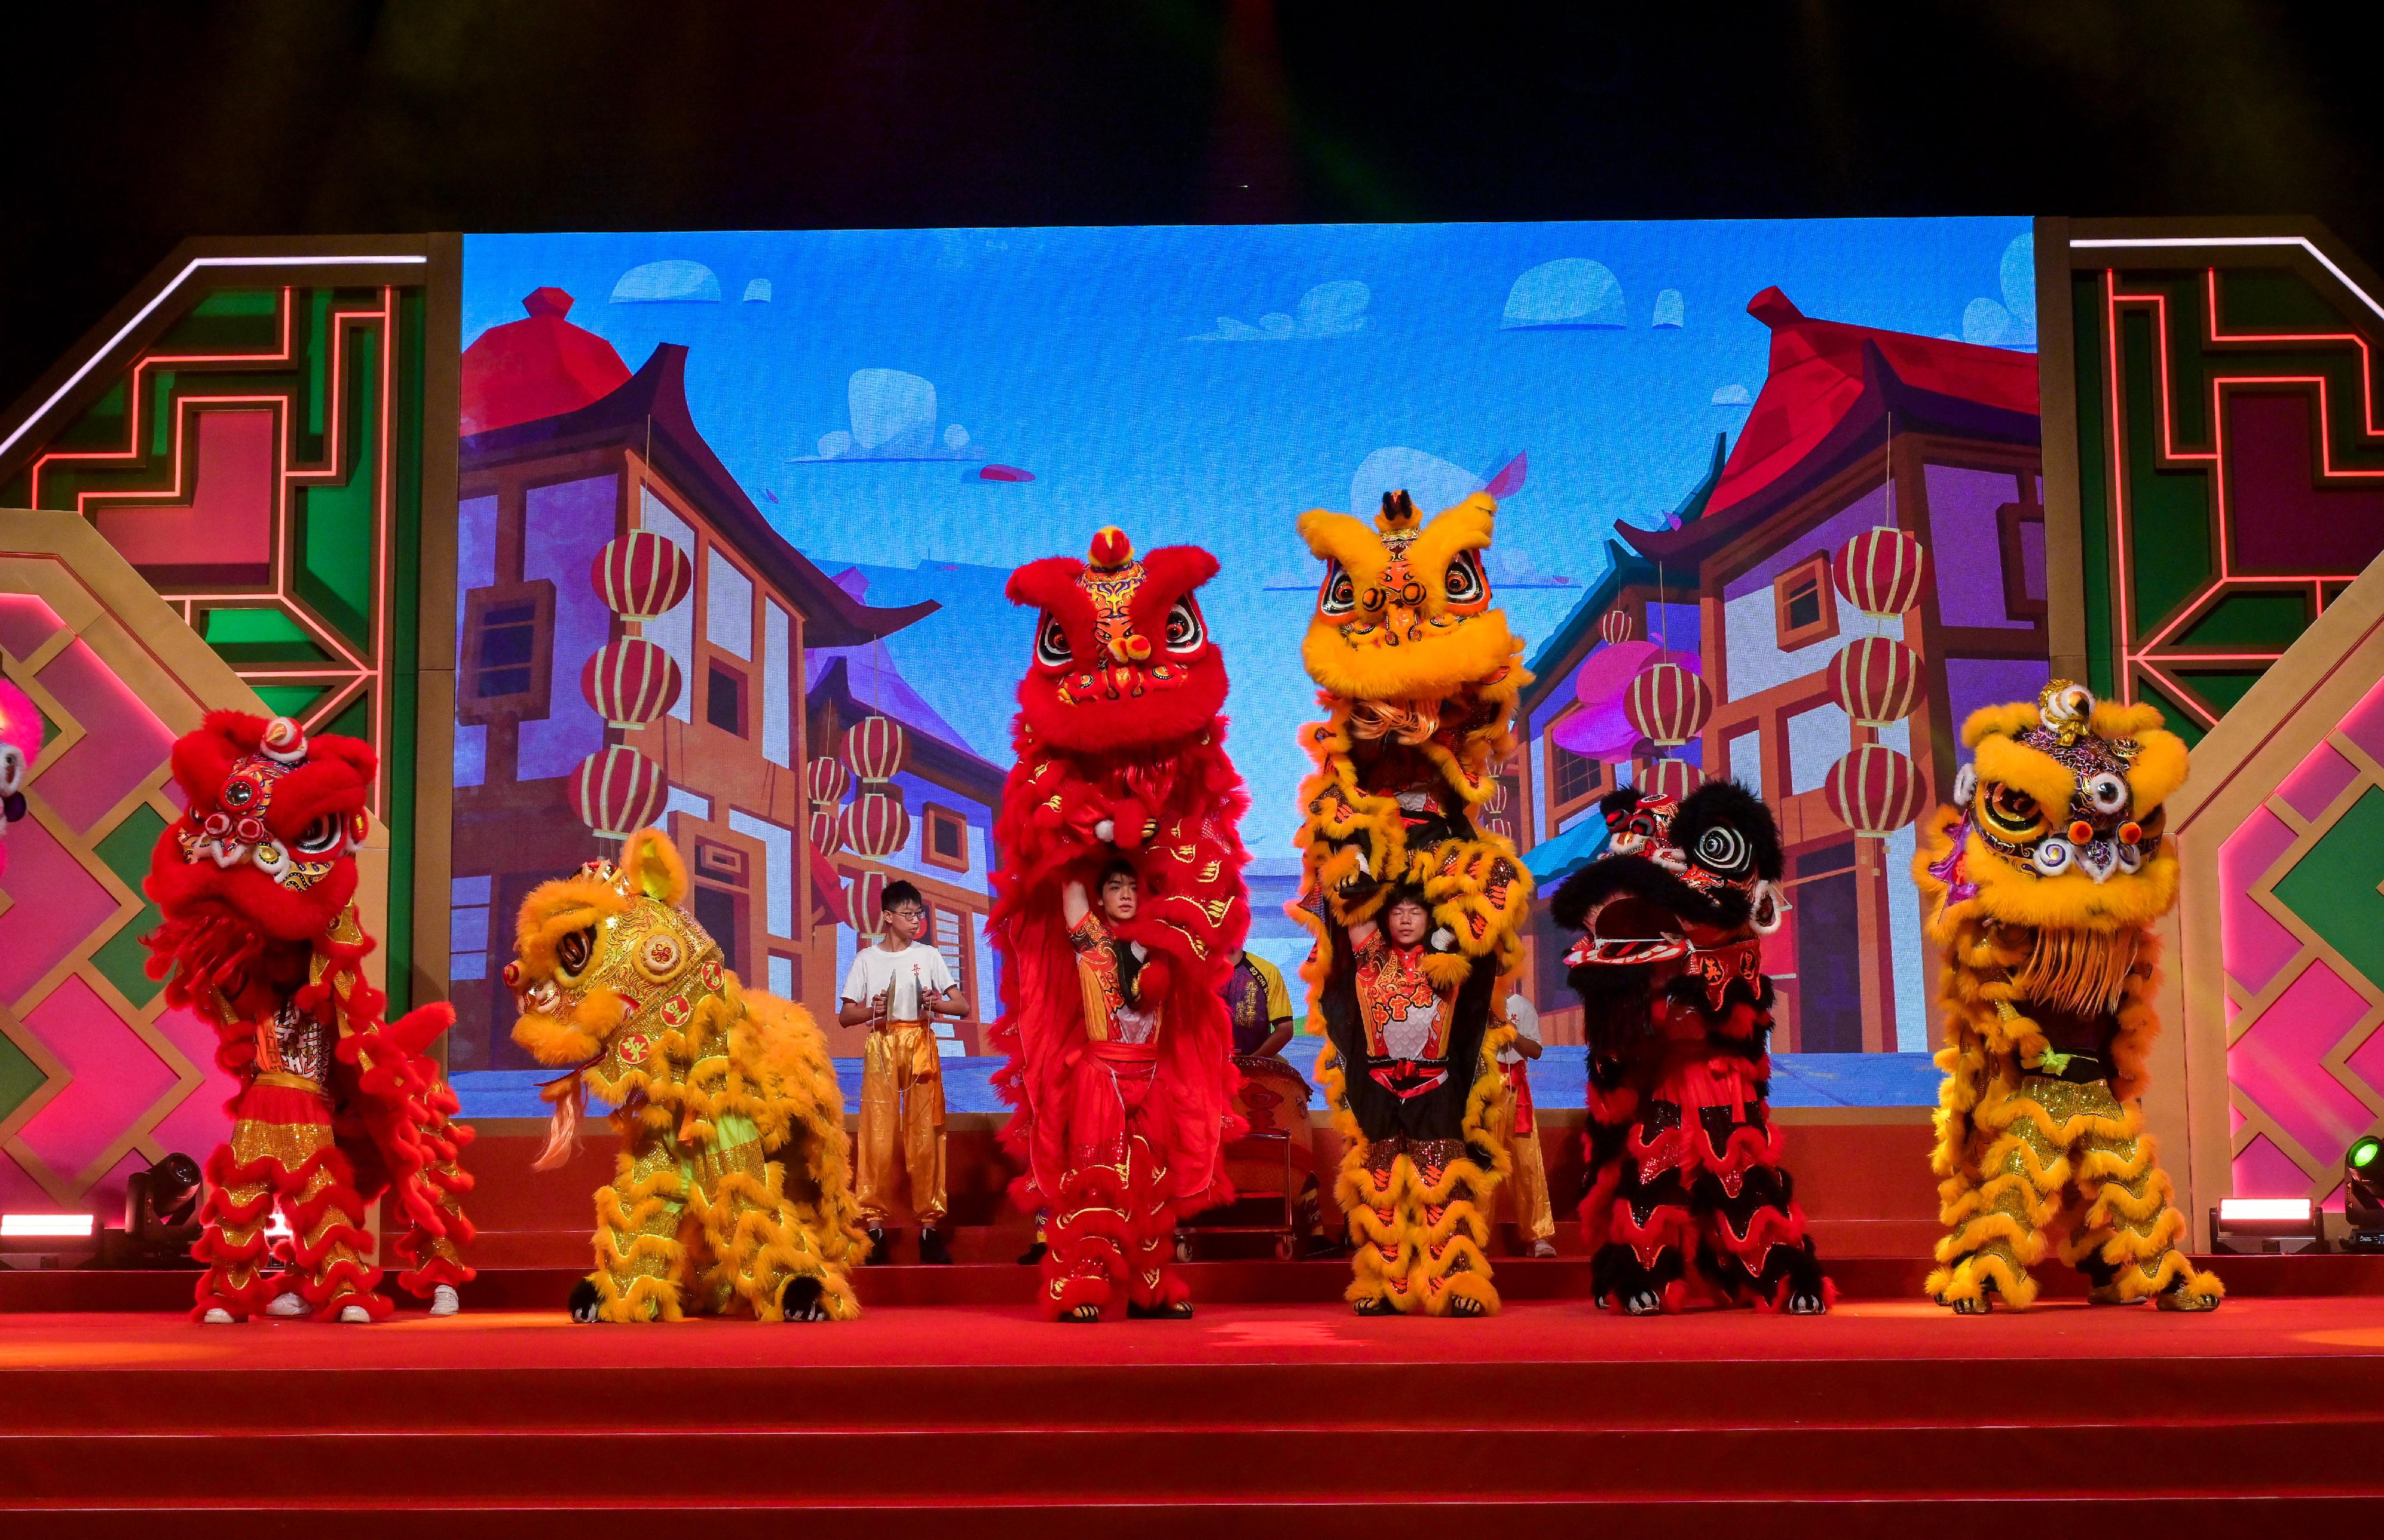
x=962, y=1420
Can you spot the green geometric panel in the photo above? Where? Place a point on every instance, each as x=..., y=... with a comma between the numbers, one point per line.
x=126, y=848
x=2181, y=721
x=354, y=722
x=2250, y=619
x=229, y=320
x=2094, y=504
x=124, y=961
x=242, y=636
x=2333, y=887
x=2220, y=688
x=2169, y=510
x=2271, y=298
x=292, y=701
x=19, y=1077
x=335, y=522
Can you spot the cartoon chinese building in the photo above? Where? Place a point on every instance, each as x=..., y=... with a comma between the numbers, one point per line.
x=1856, y=428
x=565, y=450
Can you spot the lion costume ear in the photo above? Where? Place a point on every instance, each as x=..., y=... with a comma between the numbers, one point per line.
x=652, y=863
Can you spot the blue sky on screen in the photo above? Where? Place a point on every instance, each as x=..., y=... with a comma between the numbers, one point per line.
x=1210, y=383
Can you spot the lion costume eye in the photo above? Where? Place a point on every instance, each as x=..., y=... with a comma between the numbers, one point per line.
x=2106, y=793
x=1464, y=583
x=1339, y=595
x=1051, y=649
x=571, y=954
x=12, y=770
x=320, y=837
x=1186, y=633
x=1724, y=850
x=2011, y=814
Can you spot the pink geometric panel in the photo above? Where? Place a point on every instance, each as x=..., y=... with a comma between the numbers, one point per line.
x=2254, y=943
x=2317, y=780
x=2364, y=723
x=106, y=1197
x=2264, y=1171
x=18, y=1191
x=59, y=905
x=2276, y=1062
x=200, y=1123
x=2366, y=1060
x=26, y=622
x=2235, y=1119
x=124, y=743
x=228, y=521
x=116, y=1077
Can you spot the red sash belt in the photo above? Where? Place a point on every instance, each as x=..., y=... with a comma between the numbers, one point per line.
x=1410, y=1079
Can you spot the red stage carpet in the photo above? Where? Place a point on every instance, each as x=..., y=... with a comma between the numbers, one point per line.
x=1886, y=1418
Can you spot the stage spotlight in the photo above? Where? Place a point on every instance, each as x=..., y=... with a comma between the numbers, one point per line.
x=2363, y=1195
x=2248, y=1226
x=160, y=1216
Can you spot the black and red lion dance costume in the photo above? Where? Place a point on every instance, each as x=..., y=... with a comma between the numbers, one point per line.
x=1120, y=1044
x=335, y=1106
x=1685, y=1188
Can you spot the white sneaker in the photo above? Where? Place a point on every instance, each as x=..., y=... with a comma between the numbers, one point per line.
x=1543, y=1250
x=443, y=1300
x=289, y=1305
x=219, y=1317
x=355, y=1315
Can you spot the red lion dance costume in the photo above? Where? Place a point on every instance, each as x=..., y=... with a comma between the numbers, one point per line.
x=335, y=1105
x=1685, y=1186
x=1122, y=1114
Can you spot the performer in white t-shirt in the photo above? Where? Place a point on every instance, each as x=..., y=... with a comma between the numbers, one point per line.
x=1527, y=1188
x=895, y=984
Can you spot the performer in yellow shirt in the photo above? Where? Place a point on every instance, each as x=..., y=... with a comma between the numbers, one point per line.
x=894, y=986
x=1527, y=1185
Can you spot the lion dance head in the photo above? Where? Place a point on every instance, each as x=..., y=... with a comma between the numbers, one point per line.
x=2057, y=822
x=262, y=864
x=1122, y=658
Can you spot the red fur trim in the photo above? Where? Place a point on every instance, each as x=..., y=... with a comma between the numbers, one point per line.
x=421, y=1281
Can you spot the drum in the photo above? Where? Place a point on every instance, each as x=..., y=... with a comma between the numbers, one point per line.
x=1273, y=1100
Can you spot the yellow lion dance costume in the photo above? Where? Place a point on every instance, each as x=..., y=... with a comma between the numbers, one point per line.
x=2041, y=885
x=1416, y=912
x=734, y=1184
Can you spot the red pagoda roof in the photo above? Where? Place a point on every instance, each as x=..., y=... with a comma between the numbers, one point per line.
x=536, y=367
x=649, y=413
x=1826, y=402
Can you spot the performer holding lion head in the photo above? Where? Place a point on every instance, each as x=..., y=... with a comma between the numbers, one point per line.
x=2041, y=885
x=1118, y=910
x=1416, y=910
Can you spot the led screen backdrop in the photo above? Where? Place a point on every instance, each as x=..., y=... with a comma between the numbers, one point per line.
x=849, y=439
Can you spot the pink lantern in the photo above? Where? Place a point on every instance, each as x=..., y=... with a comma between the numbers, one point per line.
x=616, y=792
x=641, y=575
x=1883, y=571
x=1671, y=777
x=1874, y=791
x=1667, y=704
x=877, y=825
x=630, y=682
x=1601, y=729
x=1616, y=625
x=1876, y=680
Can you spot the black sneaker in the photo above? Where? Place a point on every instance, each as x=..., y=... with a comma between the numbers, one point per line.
x=932, y=1249
x=877, y=1253
x=1180, y=1311
x=1033, y=1255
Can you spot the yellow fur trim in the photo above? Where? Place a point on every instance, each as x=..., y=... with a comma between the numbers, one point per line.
x=652, y=862
x=1333, y=536
x=2020, y=897
x=2007, y=721
x=2113, y=719
x=1466, y=527
x=2158, y=770
x=2008, y=762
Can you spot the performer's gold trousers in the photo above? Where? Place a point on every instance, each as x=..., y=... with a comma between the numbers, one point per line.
x=1526, y=1191
x=901, y=1122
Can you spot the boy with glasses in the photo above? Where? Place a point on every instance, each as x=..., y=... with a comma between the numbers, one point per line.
x=894, y=986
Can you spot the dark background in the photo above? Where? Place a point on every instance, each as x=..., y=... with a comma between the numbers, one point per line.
x=134, y=126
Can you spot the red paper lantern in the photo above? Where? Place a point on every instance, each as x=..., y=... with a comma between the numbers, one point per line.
x=1671, y=777
x=877, y=825
x=616, y=792
x=1874, y=791
x=1881, y=571
x=874, y=747
x=1876, y=680
x=1617, y=626
x=1667, y=704
x=824, y=779
x=641, y=575
x=868, y=900
x=630, y=682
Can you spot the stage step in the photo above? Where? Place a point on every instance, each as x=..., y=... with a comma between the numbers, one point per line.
x=972, y=1421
